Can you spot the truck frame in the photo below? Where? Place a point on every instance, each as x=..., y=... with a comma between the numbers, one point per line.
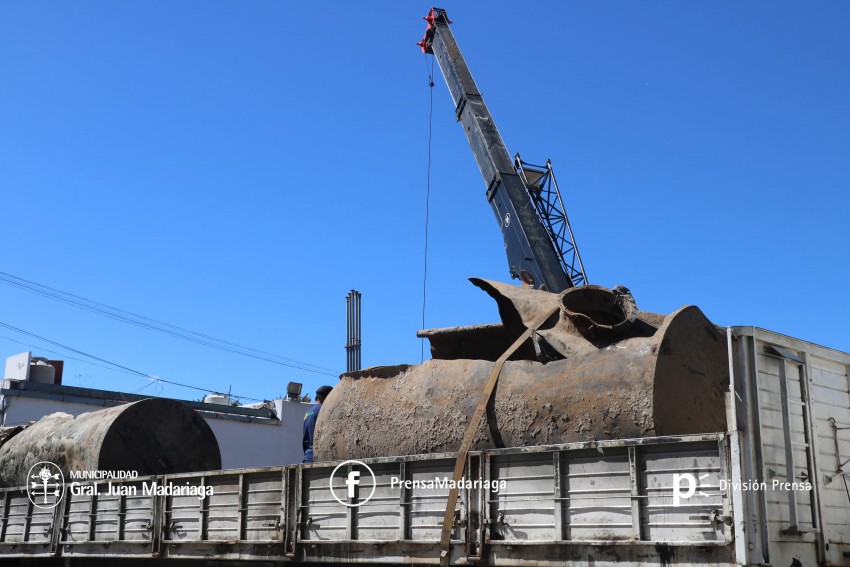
x=601, y=503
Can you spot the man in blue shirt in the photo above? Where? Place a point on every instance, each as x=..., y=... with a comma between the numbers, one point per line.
x=310, y=422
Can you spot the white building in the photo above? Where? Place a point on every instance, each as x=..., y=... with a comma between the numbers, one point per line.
x=247, y=436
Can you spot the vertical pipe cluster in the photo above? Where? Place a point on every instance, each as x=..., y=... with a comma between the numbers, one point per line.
x=352, y=342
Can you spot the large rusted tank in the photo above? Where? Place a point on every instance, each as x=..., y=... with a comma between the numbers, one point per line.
x=597, y=369
x=153, y=436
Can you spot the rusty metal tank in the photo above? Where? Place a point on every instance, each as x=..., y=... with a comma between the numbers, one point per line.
x=599, y=368
x=153, y=436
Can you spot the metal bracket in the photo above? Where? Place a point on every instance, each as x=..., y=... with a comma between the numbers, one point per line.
x=717, y=517
x=461, y=106
x=493, y=186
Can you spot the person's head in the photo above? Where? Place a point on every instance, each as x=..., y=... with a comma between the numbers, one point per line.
x=322, y=393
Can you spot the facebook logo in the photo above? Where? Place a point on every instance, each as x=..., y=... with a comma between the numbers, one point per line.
x=352, y=476
x=352, y=481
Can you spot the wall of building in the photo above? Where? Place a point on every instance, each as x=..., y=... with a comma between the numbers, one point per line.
x=260, y=444
x=20, y=410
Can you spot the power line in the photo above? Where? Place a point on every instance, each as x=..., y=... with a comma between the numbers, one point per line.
x=160, y=326
x=116, y=365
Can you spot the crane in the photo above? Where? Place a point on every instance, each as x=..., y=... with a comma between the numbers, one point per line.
x=538, y=238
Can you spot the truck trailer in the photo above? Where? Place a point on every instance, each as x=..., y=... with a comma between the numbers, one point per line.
x=769, y=490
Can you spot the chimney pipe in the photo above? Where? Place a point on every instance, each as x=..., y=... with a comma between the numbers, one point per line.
x=352, y=342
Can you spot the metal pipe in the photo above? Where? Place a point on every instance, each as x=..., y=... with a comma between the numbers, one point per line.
x=348, y=353
x=359, y=337
x=352, y=339
x=357, y=330
x=348, y=332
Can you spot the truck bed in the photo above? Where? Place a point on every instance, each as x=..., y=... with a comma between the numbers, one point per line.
x=611, y=501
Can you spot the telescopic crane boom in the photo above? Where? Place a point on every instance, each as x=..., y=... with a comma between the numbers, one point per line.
x=525, y=198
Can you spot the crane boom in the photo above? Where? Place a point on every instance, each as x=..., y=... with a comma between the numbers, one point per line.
x=525, y=198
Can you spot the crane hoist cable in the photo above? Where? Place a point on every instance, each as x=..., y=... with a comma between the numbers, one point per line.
x=427, y=199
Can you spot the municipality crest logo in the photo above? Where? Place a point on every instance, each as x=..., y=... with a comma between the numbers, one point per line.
x=45, y=485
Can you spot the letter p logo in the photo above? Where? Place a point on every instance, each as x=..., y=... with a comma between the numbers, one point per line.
x=677, y=487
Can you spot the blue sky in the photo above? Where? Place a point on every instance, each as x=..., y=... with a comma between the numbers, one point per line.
x=236, y=168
